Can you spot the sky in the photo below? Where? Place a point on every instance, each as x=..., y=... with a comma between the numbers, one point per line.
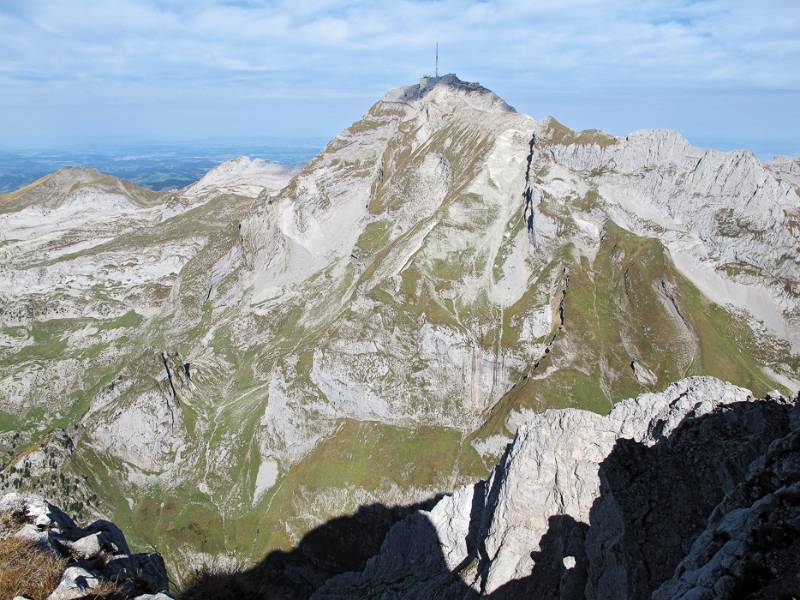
x=724, y=73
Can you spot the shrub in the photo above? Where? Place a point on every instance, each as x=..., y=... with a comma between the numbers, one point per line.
x=107, y=590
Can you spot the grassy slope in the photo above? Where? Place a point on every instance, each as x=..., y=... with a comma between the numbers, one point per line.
x=617, y=297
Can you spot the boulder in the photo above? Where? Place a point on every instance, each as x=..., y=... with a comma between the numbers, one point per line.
x=75, y=583
x=147, y=571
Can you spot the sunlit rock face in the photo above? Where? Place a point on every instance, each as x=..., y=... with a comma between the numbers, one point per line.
x=237, y=354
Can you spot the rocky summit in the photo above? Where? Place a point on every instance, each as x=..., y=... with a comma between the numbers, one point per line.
x=306, y=371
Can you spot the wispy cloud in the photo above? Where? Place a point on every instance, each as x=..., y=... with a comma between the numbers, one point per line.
x=116, y=66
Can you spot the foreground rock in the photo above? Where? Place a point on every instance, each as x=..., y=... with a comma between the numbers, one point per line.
x=694, y=492
x=96, y=558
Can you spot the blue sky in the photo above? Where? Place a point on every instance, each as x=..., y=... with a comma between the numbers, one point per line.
x=723, y=73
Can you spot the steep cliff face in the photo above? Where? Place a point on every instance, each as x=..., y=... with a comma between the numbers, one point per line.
x=668, y=493
x=786, y=169
x=242, y=350
x=717, y=212
x=748, y=547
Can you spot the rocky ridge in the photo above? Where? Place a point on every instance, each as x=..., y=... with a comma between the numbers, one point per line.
x=785, y=168
x=94, y=555
x=241, y=350
x=711, y=209
x=671, y=493
x=243, y=176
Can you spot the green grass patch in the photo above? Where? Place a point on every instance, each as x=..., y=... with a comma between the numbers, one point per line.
x=558, y=133
x=375, y=236
x=366, y=455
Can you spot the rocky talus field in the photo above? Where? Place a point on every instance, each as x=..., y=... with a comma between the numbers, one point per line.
x=461, y=352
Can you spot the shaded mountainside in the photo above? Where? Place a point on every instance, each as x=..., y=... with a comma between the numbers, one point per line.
x=219, y=368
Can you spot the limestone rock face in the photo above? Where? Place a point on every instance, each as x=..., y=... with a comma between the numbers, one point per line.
x=712, y=209
x=607, y=507
x=654, y=500
x=247, y=177
x=94, y=555
x=785, y=168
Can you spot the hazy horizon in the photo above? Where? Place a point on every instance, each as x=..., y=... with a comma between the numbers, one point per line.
x=156, y=166
x=763, y=148
x=164, y=164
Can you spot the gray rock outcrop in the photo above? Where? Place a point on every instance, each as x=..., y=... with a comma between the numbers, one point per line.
x=441, y=264
x=94, y=555
x=751, y=543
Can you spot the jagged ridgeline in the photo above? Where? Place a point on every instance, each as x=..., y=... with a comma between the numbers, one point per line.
x=222, y=368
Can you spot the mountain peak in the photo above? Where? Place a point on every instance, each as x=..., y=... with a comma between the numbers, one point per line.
x=55, y=189
x=242, y=175
x=449, y=89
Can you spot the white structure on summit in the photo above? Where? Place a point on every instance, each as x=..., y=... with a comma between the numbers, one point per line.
x=426, y=80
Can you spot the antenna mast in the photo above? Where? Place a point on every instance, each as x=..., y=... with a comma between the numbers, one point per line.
x=437, y=60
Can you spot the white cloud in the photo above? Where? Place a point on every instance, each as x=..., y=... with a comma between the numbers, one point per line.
x=57, y=53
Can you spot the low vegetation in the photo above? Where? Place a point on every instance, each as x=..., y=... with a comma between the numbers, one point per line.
x=25, y=570
x=559, y=133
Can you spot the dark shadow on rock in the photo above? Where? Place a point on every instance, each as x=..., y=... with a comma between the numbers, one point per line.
x=559, y=569
x=654, y=501
x=340, y=545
